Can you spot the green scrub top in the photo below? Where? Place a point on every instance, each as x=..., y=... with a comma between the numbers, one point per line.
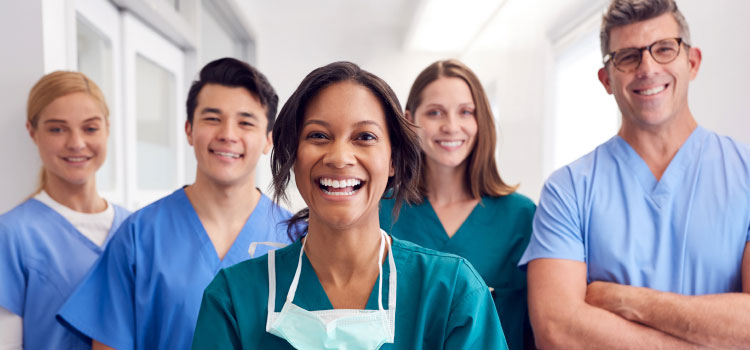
x=492, y=238
x=442, y=302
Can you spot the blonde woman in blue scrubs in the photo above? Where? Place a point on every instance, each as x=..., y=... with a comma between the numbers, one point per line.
x=347, y=284
x=465, y=208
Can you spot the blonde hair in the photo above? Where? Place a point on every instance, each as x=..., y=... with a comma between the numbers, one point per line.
x=53, y=86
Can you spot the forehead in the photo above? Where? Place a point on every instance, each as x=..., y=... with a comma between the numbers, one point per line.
x=447, y=90
x=228, y=98
x=344, y=103
x=72, y=108
x=644, y=33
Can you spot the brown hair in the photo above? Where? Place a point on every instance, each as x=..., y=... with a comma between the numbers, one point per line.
x=53, y=86
x=286, y=131
x=482, y=177
x=623, y=12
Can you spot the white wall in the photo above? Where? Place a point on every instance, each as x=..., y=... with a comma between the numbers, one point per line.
x=21, y=65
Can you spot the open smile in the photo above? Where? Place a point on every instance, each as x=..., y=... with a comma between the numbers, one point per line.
x=341, y=187
x=76, y=159
x=651, y=91
x=226, y=154
x=450, y=144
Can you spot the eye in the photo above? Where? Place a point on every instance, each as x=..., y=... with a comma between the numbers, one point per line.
x=91, y=129
x=467, y=112
x=211, y=119
x=317, y=135
x=366, y=136
x=55, y=130
x=434, y=113
x=247, y=124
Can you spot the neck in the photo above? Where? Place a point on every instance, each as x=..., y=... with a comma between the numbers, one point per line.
x=657, y=145
x=340, y=255
x=446, y=184
x=223, y=203
x=79, y=197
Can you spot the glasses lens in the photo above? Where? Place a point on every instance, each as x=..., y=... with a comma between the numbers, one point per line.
x=626, y=59
x=665, y=51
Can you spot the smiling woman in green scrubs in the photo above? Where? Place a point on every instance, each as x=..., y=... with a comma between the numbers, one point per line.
x=347, y=284
x=465, y=207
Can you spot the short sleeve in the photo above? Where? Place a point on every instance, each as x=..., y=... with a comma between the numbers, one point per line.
x=217, y=324
x=473, y=322
x=13, y=277
x=556, y=229
x=102, y=306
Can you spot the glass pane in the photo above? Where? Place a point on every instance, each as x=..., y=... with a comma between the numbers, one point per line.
x=155, y=111
x=95, y=60
x=215, y=40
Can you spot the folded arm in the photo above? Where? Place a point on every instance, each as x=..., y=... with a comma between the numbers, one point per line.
x=561, y=318
x=717, y=320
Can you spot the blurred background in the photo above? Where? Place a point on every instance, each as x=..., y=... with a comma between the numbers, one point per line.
x=537, y=60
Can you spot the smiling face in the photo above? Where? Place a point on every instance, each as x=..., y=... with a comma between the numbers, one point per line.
x=344, y=156
x=228, y=135
x=446, y=121
x=71, y=135
x=654, y=94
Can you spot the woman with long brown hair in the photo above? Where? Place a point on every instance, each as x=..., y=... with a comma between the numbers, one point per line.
x=465, y=208
x=50, y=241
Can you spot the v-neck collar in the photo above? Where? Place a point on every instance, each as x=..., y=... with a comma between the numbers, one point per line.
x=444, y=238
x=74, y=231
x=659, y=191
x=315, y=297
x=238, y=251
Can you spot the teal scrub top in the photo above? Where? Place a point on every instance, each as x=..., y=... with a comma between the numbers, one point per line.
x=493, y=238
x=442, y=302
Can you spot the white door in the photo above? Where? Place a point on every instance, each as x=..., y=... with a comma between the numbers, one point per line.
x=154, y=115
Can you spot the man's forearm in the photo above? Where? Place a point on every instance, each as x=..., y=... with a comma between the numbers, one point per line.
x=719, y=320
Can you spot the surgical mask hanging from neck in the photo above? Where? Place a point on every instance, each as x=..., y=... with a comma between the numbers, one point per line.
x=338, y=328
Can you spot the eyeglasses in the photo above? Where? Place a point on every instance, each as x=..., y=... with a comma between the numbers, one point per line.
x=628, y=59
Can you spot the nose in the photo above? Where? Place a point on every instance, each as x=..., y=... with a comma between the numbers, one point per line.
x=75, y=141
x=648, y=64
x=450, y=123
x=339, y=155
x=227, y=132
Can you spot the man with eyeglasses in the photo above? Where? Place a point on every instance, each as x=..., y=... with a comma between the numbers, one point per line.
x=643, y=243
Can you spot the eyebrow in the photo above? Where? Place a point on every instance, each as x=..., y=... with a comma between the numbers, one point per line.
x=327, y=124
x=96, y=118
x=465, y=104
x=218, y=111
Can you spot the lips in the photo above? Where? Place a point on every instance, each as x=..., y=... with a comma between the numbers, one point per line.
x=227, y=154
x=76, y=159
x=651, y=91
x=342, y=186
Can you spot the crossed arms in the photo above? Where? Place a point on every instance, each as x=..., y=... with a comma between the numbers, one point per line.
x=567, y=313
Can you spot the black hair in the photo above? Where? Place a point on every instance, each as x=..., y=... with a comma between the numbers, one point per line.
x=405, y=149
x=234, y=73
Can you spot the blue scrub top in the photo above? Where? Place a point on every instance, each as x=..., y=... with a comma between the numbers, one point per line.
x=685, y=233
x=441, y=302
x=145, y=291
x=43, y=257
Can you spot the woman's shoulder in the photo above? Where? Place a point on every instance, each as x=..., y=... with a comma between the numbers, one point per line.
x=447, y=268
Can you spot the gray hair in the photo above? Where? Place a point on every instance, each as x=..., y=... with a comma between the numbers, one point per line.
x=624, y=12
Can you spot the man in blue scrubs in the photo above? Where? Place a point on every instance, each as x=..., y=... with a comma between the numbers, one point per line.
x=145, y=291
x=643, y=243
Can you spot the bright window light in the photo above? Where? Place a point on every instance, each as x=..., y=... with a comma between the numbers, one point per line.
x=441, y=26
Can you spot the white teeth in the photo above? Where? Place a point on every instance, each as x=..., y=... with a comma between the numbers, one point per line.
x=339, y=183
x=227, y=154
x=653, y=91
x=450, y=143
x=339, y=193
x=75, y=159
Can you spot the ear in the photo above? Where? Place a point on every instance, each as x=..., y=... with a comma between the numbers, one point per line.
x=189, y=132
x=269, y=142
x=695, y=56
x=391, y=169
x=409, y=116
x=604, y=79
x=31, y=130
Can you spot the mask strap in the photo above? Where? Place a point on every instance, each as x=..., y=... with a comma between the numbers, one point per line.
x=392, y=278
x=380, y=270
x=271, y=287
x=295, y=280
